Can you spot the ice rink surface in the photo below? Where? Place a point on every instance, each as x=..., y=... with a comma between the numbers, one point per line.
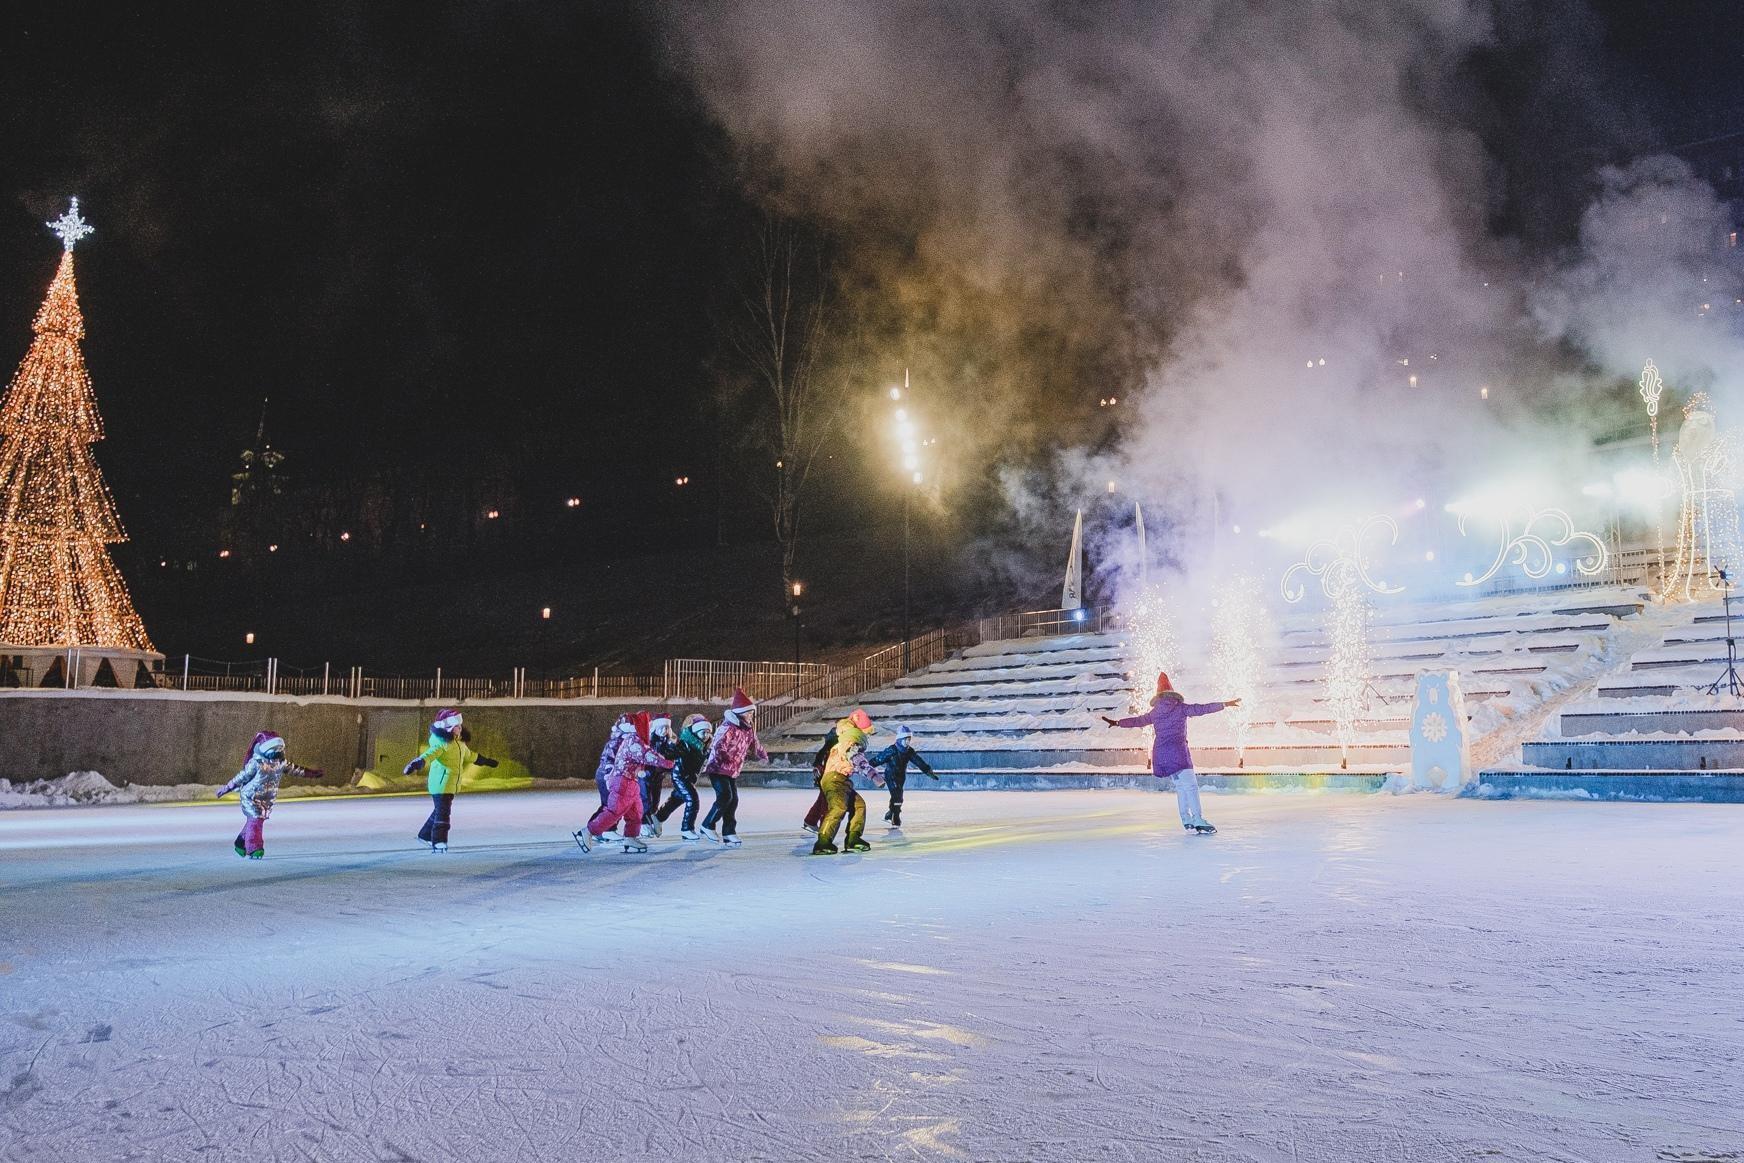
x=1052, y=975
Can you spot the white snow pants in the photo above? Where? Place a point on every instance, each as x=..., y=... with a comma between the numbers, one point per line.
x=1187, y=797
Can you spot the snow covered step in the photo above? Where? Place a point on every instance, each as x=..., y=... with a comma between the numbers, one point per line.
x=1466, y=631
x=1110, y=653
x=1687, y=722
x=1061, y=645
x=1666, y=786
x=1041, y=688
x=1359, y=778
x=954, y=754
x=1012, y=677
x=1623, y=754
x=894, y=703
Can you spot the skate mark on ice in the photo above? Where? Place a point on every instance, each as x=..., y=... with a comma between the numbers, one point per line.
x=900, y=967
x=99, y=1033
x=873, y=1049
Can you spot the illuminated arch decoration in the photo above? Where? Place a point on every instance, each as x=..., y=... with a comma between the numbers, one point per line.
x=1338, y=562
x=1533, y=549
x=1707, y=521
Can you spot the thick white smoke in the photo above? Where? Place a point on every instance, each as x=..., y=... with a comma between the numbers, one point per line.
x=1278, y=210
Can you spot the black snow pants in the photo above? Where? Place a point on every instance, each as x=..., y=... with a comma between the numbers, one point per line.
x=435, y=829
x=683, y=792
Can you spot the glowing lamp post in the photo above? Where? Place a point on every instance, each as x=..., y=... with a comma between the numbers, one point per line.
x=793, y=608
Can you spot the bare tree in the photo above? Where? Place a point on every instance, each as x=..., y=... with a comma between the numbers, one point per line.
x=780, y=332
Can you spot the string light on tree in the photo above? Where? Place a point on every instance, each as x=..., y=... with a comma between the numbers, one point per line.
x=58, y=585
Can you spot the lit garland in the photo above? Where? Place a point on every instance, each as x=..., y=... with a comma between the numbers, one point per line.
x=1534, y=552
x=1707, y=523
x=58, y=586
x=1155, y=645
x=1652, y=385
x=1333, y=559
x=1347, y=661
x=1239, y=628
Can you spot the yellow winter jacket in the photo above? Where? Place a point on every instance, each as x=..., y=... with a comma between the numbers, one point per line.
x=447, y=759
x=841, y=760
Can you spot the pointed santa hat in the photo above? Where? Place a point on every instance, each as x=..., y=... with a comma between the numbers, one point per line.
x=741, y=707
x=1164, y=686
x=640, y=719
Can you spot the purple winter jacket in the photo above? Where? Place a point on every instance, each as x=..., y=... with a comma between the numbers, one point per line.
x=1168, y=719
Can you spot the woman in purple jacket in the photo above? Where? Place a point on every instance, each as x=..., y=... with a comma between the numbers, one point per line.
x=1167, y=719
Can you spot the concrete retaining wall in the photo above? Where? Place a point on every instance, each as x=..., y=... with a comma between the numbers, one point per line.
x=170, y=737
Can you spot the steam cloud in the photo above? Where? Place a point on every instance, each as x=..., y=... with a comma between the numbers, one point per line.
x=1212, y=199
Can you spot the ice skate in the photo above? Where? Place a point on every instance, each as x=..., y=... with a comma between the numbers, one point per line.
x=633, y=845
x=859, y=846
x=611, y=836
x=711, y=834
x=690, y=835
x=581, y=837
x=257, y=854
x=822, y=849
x=887, y=816
x=439, y=846
x=651, y=827
x=240, y=850
x=812, y=828
x=1203, y=830
x=732, y=841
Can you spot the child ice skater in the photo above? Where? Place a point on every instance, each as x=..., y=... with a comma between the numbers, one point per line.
x=847, y=760
x=892, y=763
x=625, y=806
x=257, y=786
x=663, y=739
x=448, y=753
x=1167, y=719
x=736, y=739
x=693, y=744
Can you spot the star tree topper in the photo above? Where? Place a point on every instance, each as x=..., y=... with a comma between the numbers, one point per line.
x=71, y=227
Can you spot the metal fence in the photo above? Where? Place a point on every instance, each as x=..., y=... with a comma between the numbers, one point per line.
x=1046, y=624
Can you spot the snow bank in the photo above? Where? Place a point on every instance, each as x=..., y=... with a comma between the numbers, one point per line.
x=89, y=787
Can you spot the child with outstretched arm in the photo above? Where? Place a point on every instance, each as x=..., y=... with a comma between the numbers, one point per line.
x=1167, y=719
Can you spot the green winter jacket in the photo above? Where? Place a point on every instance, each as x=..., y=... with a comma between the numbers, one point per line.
x=447, y=759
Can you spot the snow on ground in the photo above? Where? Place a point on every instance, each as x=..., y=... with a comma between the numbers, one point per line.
x=1024, y=976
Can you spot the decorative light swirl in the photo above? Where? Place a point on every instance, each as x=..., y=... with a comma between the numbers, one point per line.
x=1651, y=385
x=1336, y=559
x=1534, y=552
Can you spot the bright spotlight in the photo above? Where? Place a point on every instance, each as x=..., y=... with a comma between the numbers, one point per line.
x=1078, y=615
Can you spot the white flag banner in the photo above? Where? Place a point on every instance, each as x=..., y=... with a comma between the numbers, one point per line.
x=1072, y=594
x=1144, y=558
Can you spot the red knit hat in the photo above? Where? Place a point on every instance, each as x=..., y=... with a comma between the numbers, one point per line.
x=861, y=720
x=1164, y=686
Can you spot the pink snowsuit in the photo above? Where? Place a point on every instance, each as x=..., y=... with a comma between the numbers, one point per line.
x=632, y=758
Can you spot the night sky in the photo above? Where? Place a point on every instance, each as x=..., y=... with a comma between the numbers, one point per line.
x=486, y=235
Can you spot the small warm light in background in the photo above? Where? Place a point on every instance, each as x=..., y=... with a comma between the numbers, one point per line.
x=681, y=481
x=1323, y=361
x=492, y=514
x=1235, y=528
x=1421, y=503
x=249, y=638
x=798, y=588
x=1111, y=486
x=223, y=553
x=545, y=612
x=1484, y=392
x=346, y=536
x=917, y=478
x=1413, y=381
x=896, y=393
x=1310, y=363
x=574, y=503
x=272, y=549
x=1429, y=555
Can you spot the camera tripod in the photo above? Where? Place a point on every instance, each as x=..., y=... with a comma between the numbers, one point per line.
x=1729, y=679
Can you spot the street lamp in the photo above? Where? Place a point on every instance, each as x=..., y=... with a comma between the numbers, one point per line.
x=798, y=589
x=908, y=440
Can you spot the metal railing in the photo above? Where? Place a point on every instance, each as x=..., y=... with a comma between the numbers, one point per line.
x=713, y=678
x=1046, y=624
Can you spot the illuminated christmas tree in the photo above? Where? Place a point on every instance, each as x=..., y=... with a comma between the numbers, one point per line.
x=58, y=587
